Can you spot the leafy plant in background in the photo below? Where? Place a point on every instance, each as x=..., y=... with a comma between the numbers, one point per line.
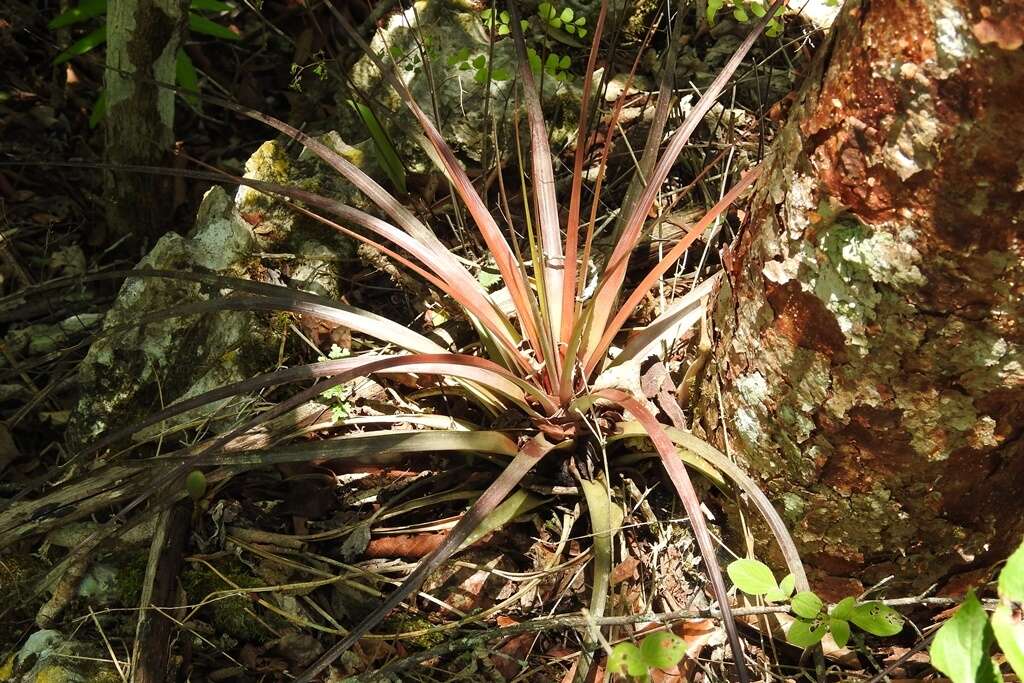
x=962, y=647
x=813, y=620
x=744, y=10
x=478, y=65
x=497, y=21
x=185, y=72
x=564, y=19
x=658, y=650
x=546, y=367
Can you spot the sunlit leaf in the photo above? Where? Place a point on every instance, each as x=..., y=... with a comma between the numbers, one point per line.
x=1008, y=628
x=1011, y=578
x=806, y=605
x=751, y=576
x=844, y=609
x=662, y=649
x=840, y=630
x=960, y=648
x=626, y=660
x=877, y=619
x=804, y=633
x=787, y=585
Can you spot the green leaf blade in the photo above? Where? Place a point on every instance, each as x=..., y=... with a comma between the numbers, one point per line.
x=662, y=650
x=80, y=47
x=752, y=576
x=960, y=648
x=805, y=633
x=806, y=605
x=201, y=24
x=85, y=10
x=877, y=619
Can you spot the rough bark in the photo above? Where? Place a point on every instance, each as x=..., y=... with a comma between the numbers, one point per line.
x=142, y=43
x=869, y=337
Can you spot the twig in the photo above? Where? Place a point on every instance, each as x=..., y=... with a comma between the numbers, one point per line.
x=478, y=639
x=152, y=633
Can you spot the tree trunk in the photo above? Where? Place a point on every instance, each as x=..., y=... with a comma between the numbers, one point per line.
x=868, y=332
x=142, y=44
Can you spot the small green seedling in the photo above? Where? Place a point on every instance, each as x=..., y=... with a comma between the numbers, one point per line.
x=659, y=650
x=554, y=65
x=478, y=65
x=813, y=620
x=498, y=22
x=743, y=9
x=962, y=647
x=339, y=395
x=195, y=484
x=565, y=19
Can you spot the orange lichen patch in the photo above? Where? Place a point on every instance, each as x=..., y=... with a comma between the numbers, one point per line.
x=873, y=448
x=803, y=319
x=1004, y=27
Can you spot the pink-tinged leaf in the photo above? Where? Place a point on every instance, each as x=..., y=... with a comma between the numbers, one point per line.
x=504, y=257
x=615, y=273
x=649, y=280
x=684, y=487
x=525, y=460
x=545, y=201
x=572, y=228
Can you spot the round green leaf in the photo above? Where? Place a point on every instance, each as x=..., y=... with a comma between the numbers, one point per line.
x=662, y=650
x=626, y=660
x=844, y=609
x=840, y=631
x=805, y=633
x=751, y=576
x=877, y=619
x=806, y=605
x=195, y=484
x=567, y=15
x=787, y=585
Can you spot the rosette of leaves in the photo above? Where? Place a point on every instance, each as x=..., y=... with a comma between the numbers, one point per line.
x=544, y=364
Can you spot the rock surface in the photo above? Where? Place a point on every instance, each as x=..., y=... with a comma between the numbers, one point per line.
x=46, y=657
x=133, y=373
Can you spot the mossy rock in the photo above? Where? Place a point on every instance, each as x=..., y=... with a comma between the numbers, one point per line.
x=237, y=617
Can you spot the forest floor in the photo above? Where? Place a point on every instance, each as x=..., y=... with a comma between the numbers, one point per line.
x=276, y=561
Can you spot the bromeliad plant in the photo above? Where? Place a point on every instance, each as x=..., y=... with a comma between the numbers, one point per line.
x=546, y=352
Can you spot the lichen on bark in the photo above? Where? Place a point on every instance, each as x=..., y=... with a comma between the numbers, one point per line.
x=869, y=347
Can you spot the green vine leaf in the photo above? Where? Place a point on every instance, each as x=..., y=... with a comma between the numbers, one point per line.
x=877, y=619
x=662, y=650
x=840, y=629
x=806, y=633
x=960, y=648
x=626, y=660
x=806, y=605
x=752, y=576
x=195, y=484
x=844, y=609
